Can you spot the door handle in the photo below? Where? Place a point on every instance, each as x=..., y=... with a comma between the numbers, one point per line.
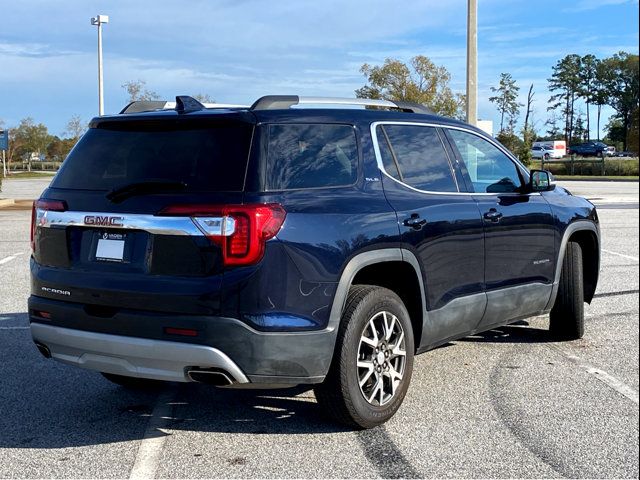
x=493, y=215
x=415, y=222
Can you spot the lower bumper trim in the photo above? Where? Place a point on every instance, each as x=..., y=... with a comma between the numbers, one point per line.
x=130, y=356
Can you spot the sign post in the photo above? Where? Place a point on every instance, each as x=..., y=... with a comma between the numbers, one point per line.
x=4, y=145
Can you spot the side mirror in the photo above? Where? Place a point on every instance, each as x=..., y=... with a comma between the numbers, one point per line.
x=541, y=181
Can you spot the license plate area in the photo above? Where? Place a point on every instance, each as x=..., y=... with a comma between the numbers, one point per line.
x=111, y=247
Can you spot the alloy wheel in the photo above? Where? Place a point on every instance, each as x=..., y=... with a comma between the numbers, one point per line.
x=381, y=358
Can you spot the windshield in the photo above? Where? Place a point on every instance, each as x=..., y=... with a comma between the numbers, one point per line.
x=203, y=157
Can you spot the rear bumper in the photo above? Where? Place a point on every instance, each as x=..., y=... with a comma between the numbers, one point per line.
x=133, y=343
x=130, y=356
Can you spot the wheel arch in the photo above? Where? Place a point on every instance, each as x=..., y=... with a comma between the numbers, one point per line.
x=587, y=234
x=588, y=241
x=396, y=269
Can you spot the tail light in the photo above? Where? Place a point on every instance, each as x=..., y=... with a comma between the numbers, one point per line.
x=241, y=231
x=38, y=210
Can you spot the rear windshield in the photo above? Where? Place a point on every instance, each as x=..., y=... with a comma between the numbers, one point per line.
x=211, y=157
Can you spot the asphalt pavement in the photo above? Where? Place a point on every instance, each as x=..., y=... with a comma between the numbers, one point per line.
x=506, y=403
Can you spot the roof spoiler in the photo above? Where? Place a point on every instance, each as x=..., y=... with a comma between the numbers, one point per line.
x=183, y=104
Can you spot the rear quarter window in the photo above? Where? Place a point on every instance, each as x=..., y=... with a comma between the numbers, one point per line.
x=310, y=156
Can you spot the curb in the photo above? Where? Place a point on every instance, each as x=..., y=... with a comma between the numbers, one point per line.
x=13, y=204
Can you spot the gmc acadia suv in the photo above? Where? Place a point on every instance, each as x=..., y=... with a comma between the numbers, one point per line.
x=279, y=245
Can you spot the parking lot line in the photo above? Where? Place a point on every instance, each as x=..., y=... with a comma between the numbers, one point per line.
x=620, y=255
x=151, y=445
x=9, y=258
x=609, y=380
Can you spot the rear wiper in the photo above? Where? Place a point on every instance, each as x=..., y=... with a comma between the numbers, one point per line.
x=119, y=194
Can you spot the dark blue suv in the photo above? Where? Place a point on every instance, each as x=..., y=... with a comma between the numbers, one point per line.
x=277, y=245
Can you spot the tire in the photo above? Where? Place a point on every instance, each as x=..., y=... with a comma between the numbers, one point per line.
x=566, y=320
x=546, y=156
x=369, y=309
x=133, y=383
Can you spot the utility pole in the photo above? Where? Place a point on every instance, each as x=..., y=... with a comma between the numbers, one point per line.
x=4, y=145
x=98, y=20
x=472, y=62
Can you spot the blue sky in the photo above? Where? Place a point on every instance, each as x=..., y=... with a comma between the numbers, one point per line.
x=236, y=51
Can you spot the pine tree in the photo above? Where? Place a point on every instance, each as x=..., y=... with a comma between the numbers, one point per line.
x=506, y=100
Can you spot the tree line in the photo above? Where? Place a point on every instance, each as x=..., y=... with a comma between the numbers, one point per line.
x=30, y=138
x=576, y=82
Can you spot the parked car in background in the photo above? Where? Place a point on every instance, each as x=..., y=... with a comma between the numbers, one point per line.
x=546, y=152
x=610, y=151
x=560, y=147
x=625, y=154
x=588, y=149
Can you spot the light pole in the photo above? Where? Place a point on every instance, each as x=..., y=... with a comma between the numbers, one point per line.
x=472, y=62
x=98, y=20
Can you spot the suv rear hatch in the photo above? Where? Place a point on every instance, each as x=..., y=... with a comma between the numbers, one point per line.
x=138, y=215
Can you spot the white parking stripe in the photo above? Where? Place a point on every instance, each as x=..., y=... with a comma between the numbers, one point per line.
x=613, y=382
x=152, y=443
x=9, y=258
x=14, y=328
x=620, y=255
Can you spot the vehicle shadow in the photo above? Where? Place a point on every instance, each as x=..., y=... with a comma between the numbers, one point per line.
x=46, y=404
x=518, y=332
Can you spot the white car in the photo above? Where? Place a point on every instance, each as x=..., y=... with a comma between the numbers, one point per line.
x=546, y=152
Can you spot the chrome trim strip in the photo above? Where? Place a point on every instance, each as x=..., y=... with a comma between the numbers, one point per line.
x=496, y=144
x=131, y=356
x=127, y=221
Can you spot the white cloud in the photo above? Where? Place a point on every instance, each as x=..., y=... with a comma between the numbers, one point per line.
x=584, y=5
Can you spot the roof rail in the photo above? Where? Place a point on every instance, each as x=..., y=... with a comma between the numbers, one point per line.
x=183, y=104
x=281, y=102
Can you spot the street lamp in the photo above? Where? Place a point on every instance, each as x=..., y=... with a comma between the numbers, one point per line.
x=98, y=20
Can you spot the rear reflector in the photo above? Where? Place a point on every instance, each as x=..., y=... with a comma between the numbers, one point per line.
x=239, y=242
x=41, y=314
x=185, y=332
x=241, y=231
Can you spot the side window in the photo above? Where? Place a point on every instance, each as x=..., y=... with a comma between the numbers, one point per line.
x=311, y=156
x=421, y=158
x=491, y=171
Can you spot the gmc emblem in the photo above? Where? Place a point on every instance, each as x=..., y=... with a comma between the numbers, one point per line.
x=103, y=221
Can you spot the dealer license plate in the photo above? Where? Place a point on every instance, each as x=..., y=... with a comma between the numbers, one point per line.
x=110, y=247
